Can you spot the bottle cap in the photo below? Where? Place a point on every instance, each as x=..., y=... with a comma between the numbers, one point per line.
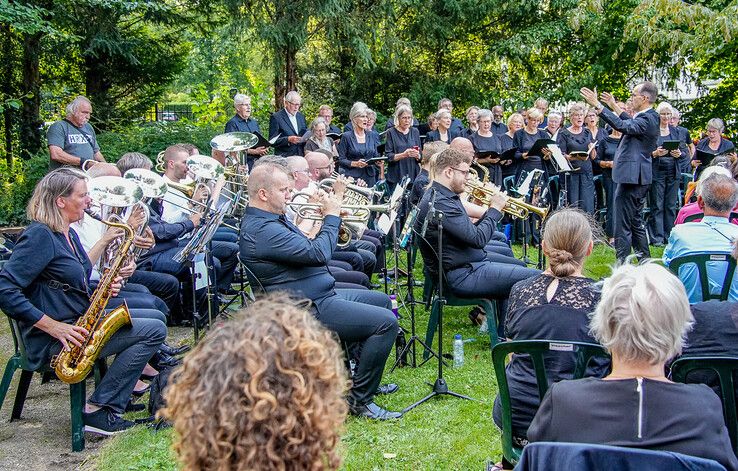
x=457, y=337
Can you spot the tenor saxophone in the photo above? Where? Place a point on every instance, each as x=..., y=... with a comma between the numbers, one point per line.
x=73, y=365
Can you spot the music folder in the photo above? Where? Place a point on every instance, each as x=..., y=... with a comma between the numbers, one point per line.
x=334, y=135
x=539, y=145
x=381, y=158
x=263, y=141
x=509, y=154
x=671, y=145
x=706, y=157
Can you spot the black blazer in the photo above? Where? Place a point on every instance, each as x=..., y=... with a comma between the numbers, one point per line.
x=279, y=123
x=640, y=136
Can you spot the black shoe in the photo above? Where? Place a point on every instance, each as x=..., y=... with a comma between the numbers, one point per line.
x=375, y=412
x=173, y=351
x=140, y=393
x=161, y=360
x=388, y=388
x=131, y=407
x=105, y=422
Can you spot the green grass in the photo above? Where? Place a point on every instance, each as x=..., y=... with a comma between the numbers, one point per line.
x=444, y=433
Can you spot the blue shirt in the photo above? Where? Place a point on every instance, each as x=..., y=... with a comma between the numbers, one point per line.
x=711, y=235
x=282, y=258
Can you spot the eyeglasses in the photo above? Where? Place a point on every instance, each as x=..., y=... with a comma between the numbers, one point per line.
x=303, y=171
x=293, y=103
x=463, y=172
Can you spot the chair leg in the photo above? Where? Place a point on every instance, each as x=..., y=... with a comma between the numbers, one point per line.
x=490, y=310
x=101, y=367
x=13, y=364
x=431, y=330
x=20, y=396
x=77, y=402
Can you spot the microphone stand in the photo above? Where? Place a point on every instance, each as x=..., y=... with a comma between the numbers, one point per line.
x=440, y=387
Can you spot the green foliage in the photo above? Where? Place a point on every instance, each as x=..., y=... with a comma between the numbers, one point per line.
x=16, y=187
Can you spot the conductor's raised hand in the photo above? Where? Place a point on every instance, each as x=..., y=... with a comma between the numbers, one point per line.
x=589, y=96
x=608, y=99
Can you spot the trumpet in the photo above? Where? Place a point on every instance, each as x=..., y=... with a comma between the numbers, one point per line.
x=482, y=194
x=370, y=194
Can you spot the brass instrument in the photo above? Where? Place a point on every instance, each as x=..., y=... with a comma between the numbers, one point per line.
x=73, y=365
x=160, y=164
x=475, y=174
x=481, y=194
x=370, y=194
x=153, y=187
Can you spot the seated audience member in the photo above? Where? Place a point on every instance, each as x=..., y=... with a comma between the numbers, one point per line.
x=552, y=305
x=45, y=288
x=693, y=208
x=422, y=181
x=281, y=258
x=714, y=234
x=642, y=319
x=279, y=381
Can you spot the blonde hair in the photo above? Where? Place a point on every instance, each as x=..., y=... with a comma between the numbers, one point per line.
x=42, y=205
x=566, y=235
x=513, y=117
x=265, y=391
x=535, y=113
x=643, y=314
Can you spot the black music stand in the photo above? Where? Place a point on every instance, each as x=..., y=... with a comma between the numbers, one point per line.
x=440, y=387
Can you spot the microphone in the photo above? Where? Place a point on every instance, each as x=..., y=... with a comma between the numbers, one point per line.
x=430, y=213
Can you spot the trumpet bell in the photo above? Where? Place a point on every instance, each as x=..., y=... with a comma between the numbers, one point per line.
x=204, y=167
x=234, y=141
x=117, y=192
x=152, y=184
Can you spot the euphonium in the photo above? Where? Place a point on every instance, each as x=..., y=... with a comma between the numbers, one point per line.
x=73, y=365
x=482, y=195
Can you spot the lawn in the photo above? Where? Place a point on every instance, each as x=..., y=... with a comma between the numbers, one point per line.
x=444, y=433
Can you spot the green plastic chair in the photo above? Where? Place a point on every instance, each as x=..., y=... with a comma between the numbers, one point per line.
x=536, y=350
x=77, y=393
x=725, y=367
x=430, y=291
x=700, y=260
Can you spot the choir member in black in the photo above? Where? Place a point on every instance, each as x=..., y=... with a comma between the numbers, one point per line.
x=472, y=115
x=663, y=196
x=243, y=122
x=456, y=126
x=290, y=125
x=605, y=155
x=553, y=127
x=402, y=148
x=523, y=141
x=714, y=143
x=577, y=138
x=507, y=141
x=484, y=140
x=421, y=182
x=444, y=132
x=318, y=138
x=686, y=146
x=357, y=146
x=541, y=104
x=592, y=122
x=554, y=124
x=326, y=112
x=391, y=120
x=498, y=127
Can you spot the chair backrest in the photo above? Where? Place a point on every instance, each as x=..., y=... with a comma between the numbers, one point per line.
x=253, y=280
x=724, y=367
x=700, y=261
x=19, y=343
x=536, y=349
x=587, y=457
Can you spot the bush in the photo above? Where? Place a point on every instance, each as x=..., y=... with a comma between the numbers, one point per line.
x=17, y=185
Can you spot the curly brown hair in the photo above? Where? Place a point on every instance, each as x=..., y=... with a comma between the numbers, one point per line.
x=264, y=391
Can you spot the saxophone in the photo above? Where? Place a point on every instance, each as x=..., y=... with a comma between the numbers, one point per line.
x=73, y=365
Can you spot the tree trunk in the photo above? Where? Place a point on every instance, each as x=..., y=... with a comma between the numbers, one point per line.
x=97, y=89
x=31, y=122
x=287, y=82
x=8, y=91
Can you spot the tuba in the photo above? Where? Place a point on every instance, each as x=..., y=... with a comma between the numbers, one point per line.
x=73, y=365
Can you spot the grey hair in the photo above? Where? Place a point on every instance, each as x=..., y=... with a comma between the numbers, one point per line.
x=402, y=101
x=371, y=112
x=577, y=108
x=643, y=315
x=664, y=106
x=401, y=110
x=676, y=113
x=131, y=160
x=650, y=91
x=719, y=193
x=716, y=123
x=553, y=114
x=292, y=96
x=442, y=113
x=74, y=105
x=711, y=170
x=293, y=162
x=357, y=109
x=316, y=122
x=484, y=113
x=240, y=99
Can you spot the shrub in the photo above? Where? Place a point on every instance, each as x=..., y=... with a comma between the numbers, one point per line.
x=17, y=185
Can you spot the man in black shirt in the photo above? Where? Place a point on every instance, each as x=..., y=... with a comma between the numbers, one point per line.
x=469, y=271
x=243, y=122
x=281, y=258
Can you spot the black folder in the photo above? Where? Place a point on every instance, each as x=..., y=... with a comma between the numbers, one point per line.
x=539, y=145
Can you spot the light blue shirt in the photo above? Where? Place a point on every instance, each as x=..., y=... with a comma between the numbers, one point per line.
x=711, y=235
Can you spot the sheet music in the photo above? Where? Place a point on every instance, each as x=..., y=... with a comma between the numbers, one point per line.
x=201, y=271
x=561, y=163
x=524, y=187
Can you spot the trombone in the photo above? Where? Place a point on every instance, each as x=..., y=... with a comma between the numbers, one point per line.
x=482, y=194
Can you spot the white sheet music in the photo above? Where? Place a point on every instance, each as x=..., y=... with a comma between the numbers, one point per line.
x=561, y=163
x=201, y=271
x=524, y=187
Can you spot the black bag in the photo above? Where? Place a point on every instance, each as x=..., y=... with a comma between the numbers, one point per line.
x=156, y=393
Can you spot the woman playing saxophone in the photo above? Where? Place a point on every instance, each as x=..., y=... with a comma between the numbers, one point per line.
x=44, y=288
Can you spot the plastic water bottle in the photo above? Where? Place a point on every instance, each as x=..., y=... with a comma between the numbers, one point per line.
x=458, y=351
x=393, y=298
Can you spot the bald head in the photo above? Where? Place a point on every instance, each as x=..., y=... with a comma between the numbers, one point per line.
x=263, y=177
x=319, y=164
x=464, y=145
x=103, y=169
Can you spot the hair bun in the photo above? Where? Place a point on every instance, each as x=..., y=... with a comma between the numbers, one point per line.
x=559, y=256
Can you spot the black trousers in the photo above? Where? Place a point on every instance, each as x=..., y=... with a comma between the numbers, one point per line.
x=365, y=317
x=162, y=285
x=663, y=199
x=630, y=230
x=581, y=192
x=609, y=187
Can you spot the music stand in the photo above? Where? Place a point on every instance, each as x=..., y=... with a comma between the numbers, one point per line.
x=440, y=387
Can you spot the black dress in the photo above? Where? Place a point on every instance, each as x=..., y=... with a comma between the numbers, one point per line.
x=606, y=149
x=663, y=195
x=531, y=316
x=506, y=143
x=580, y=183
x=524, y=141
x=484, y=144
x=350, y=150
x=397, y=143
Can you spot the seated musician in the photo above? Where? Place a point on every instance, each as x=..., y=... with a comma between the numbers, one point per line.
x=45, y=297
x=223, y=249
x=282, y=258
x=264, y=417
x=642, y=319
x=713, y=234
x=469, y=271
x=554, y=305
